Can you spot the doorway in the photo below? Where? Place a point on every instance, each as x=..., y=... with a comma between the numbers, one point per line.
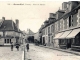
x=68, y=43
x=43, y=40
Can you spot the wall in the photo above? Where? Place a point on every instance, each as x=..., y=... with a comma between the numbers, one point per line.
x=56, y=43
x=10, y=33
x=1, y=33
x=1, y=41
x=13, y=40
x=59, y=25
x=65, y=23
x=36, y=36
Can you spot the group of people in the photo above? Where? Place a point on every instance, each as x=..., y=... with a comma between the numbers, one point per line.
x=17, y=46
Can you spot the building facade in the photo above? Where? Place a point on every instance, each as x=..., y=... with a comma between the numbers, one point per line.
x=9, y=32
x=68, y=25
x=48, y=31
x=64, y=32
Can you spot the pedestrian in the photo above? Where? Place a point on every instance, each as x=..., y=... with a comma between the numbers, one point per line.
x=17, y=46
x=11, y=46
x=27, y=46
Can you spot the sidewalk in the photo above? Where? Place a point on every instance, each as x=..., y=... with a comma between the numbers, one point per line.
x=7, y=54
x=63, y=50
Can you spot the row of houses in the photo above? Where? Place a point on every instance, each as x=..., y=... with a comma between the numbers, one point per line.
x=10, y=32
x=62, y=29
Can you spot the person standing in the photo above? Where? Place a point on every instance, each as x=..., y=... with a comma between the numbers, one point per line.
x=11, y=46
x=17, y=46
x=27, y=46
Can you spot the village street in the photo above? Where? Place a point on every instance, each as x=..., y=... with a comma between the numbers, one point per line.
x=7, y=54
x=41, y=53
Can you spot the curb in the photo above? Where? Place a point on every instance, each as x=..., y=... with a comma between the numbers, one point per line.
x=72, y=52
x=23, y=53
x=23, y=56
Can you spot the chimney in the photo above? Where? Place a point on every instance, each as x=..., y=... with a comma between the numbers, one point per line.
x=3, y=18
x=52, y=15
x=64, y=5
x=59, y=13
x=17, y=24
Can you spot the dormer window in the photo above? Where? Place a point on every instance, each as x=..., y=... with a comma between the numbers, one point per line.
x=69, y=6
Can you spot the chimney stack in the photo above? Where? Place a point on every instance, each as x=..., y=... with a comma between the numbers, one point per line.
x=64, y=5
x=17, y=24
x=3, y=18
x=52, y=15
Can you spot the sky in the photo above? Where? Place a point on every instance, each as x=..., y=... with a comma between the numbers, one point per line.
x=31, y=15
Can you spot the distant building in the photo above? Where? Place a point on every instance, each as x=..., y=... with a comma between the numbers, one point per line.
x=36, y=36
x=30, y=35
x=48, y=30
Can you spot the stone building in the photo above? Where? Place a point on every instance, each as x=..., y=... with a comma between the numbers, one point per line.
x=66, y=33
x=9, y=32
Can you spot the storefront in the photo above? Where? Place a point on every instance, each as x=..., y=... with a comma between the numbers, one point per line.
x=70, y=39
x=74, y=38
x=63, y=41
x=56, y=39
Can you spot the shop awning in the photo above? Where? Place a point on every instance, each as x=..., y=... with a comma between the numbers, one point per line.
x=73, y=33
x=65, y=34
x=58, y=35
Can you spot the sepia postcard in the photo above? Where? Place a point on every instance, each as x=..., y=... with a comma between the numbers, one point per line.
x=39, y=30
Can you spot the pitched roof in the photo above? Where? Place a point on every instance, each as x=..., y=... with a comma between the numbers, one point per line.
x=8, y=25
x=68, y=13
x=30, y=32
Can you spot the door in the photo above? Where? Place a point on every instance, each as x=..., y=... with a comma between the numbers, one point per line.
x=43, y=40
x=69, y=43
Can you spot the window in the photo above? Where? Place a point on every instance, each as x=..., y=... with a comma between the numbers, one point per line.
x=52, y=39
x=61, y=24
x=48, y=30
x=43, y=31
x=52, y=29
x=69, y=21
x=62, y=41
x=5, y=40
x=10, y=40
x=56, y=15
x=73, y=41
x=72, y=20
x=69, y=6
x=49, y=39
x=56, y=26
x=79, y=16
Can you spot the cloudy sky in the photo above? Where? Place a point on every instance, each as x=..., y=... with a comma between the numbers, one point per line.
x=30, y=14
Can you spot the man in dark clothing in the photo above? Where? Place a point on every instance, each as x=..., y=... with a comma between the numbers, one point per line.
x=17, y=46
x=27, y=46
